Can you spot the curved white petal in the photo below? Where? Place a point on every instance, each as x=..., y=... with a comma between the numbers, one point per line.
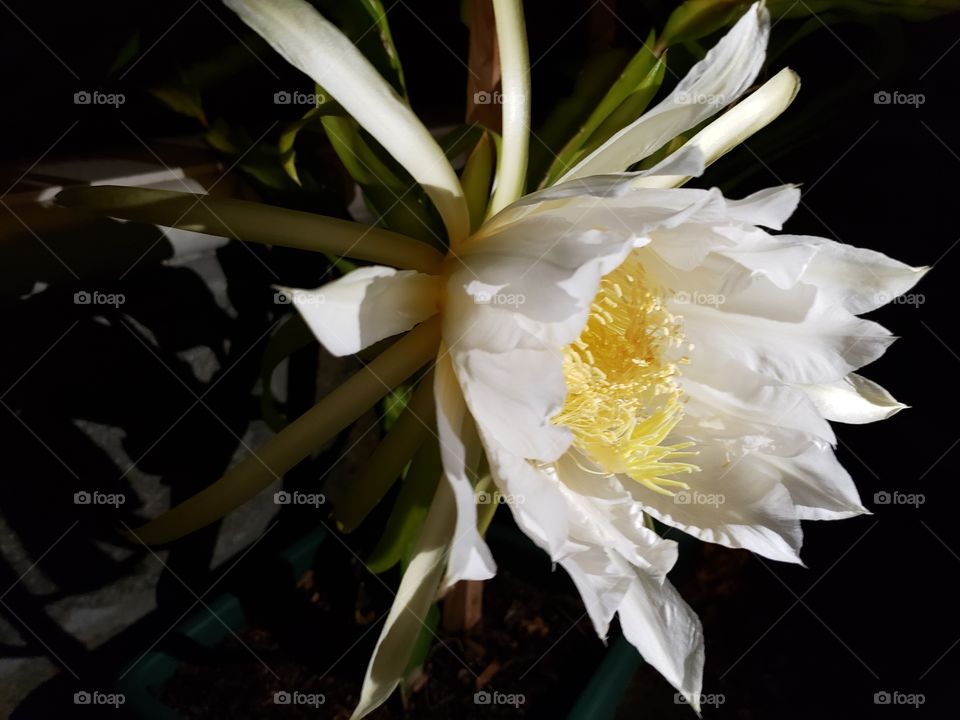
x=747, y=117
x=312, y=44
x=853, y=399
x=734, y=501
x=667, y=632
x=470, y=558
x=367, y=305
x=858, y=279
x=721, y=77
x=819, y=485
x=417, y=591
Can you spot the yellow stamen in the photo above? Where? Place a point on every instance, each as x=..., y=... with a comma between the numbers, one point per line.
x=623, y=399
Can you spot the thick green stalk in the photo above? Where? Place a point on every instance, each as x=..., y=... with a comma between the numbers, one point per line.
x=255, y=222
x=387, y=462
x=300, y=438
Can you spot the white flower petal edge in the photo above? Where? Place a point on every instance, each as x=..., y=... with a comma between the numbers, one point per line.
x=417, y=592
x=312, y=44
x=367, y=305
x=721, y=77
x=853, y=399
x=470, y=558
x=744, y=119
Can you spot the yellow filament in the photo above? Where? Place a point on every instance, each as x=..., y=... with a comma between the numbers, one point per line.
x=622, y=396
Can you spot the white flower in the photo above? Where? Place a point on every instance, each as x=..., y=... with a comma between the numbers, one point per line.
x=617, y=347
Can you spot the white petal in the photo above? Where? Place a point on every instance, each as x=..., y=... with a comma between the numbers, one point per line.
x=367, y=305
x=824, y=346
x=720, y=78
x=417, y=591
x=657, y=622
x=734, y=501
x=853, y=399
x=858, y=279
x=513, y=395
x=470, y=557
x=315, y=46
x=744, y=119
x=819, y=485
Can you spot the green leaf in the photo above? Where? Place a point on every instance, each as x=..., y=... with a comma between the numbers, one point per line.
x=409, y=511
x=639, y=76
x=291, y=336
x=394, y=198
x=477, y=179
x=570, y=113
x=182, y=99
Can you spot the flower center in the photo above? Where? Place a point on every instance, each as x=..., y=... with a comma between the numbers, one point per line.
x=622, y=396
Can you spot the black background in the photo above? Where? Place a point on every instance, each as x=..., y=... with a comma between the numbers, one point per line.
x=876, y=607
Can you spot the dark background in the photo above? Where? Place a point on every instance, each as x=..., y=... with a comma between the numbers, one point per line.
x=875, y=608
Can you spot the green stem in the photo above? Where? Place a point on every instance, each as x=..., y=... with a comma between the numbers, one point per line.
x=255, y=222
x=302, y=437
x=387, y=462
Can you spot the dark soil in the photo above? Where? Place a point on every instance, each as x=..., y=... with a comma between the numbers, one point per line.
x=534, y=649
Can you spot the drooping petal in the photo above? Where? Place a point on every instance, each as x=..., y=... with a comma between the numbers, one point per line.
x=315, y=46
x=417, y=591
x=667, y=632
x=367, y=305
x=720, y=78
x=470, y=558
x=853, y=399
